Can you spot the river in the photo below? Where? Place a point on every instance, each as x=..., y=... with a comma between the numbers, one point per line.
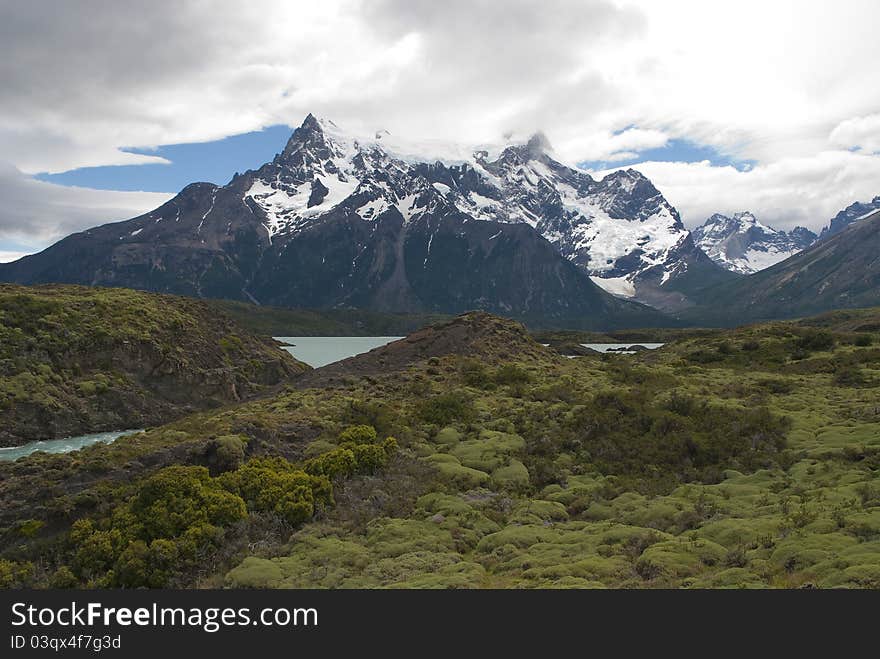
x=62, y=445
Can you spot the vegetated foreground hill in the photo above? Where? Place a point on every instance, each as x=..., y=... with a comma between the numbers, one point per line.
x=77, y=360
x=746, y=458
x=482, y=335
x=842, y=271
x=846, y=320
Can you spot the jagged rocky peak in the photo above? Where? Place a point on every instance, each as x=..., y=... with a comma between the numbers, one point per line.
x=719, y=224
x=351, y=193
x=308, y=137
x=848, y=215
x=620, y=229
x=803, y=235
x=744, y=244
x=631, y=184
x=629, y=178
x=629, y=194
x=746, y=219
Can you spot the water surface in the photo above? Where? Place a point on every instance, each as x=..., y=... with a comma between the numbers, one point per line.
x=62, y=445
x=620, y=348
x=317, y=351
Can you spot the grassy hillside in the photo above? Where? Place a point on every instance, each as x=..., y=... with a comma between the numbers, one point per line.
x=470, y=456
x=846, y=320
x=75, y=360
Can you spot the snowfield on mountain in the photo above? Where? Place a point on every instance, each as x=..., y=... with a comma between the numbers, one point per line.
x=745, y=245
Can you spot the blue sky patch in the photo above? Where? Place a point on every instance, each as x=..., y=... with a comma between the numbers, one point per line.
x=213, y=162
x=677, y=150
x=13, y=246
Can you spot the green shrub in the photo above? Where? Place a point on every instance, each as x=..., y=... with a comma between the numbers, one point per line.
x=360, y=434
x=275, y=485
x=176, y=498
x=370, y=413
x=230, y=343
x=849, y=376
x=511, y=374
x=338, y=462
x=863, y=340
x=448, y=436
x=30, y=527
x=776, y=385
x=228, y=451
x=681, y=404
x=513, y=476
x=447, y=408
x=815, y=340
x=63, y=577
x=475, y=374
x=451, y=470
x=352, y=458
x=703, y=356
x=15, y=575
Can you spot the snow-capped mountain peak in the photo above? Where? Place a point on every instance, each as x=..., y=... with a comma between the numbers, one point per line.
x=746, y=219
x=618, y=228
x=744, y=244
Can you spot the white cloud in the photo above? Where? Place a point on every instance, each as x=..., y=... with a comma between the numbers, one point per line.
x=604, y=79
x=8, y=257
x=805, y=191
x=623, y=145
x=861, y=133
x=35, y=213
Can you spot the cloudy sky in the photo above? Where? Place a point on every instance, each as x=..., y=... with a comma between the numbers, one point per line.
x=109, y=106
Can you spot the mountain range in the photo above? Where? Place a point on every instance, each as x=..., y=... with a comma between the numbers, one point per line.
x=849, y=215
x=337, y=221
x=743, y=244
x=333, y=221
x=842, y=271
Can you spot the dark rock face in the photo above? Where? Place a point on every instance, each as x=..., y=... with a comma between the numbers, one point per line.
x=319, y=191
x=334, y=223
x=849, y=215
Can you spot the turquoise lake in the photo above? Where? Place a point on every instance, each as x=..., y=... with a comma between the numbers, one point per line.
x=317, y=351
